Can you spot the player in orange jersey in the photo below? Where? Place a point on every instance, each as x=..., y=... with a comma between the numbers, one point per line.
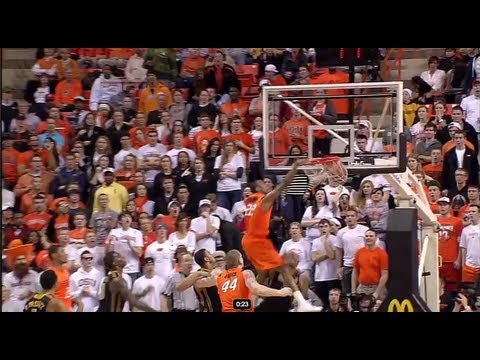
x=236, y=286
x=259, y=248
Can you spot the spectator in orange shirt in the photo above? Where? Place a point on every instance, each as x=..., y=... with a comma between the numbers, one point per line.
x=203, y=137
x=279, y=141
x=39, y=219
x=370, y=268
x=24, y=183
x=435, y=168
x=191, y=65
x=140, y=126
x=297, y=128
x=235, y=106
x=67, y=63
x=148, y=96
x=27, y=200
x=243, y=141
x=10, y=158
x=271, y=75
x=117, y=57
x=47, y=65
x=66, y=91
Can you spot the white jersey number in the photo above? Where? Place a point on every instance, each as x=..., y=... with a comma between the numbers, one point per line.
x=230, y=284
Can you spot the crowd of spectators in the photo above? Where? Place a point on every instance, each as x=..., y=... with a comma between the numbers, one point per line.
x=148, y=151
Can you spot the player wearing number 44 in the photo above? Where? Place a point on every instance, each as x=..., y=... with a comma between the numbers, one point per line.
x=236, y=286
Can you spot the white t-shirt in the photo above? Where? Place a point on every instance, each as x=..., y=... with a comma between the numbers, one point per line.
x=120, y=240
x=199, y=225
x=350, y=240
x=460, y=154
x=223, y=213
x=332, y=191
x=188, y=241
x=98, y=255
x=162, y=253
x=238, y=208
x=120, y=156
x=470, y=241
x=20, y=288
x=229, y=184
x=327, y=269
x=323, y=212
x=152, y=298
x=173, y=153
x=302, y=248
x=92, y=280
x=256, y=135
x=146, y=150
x=471, y=106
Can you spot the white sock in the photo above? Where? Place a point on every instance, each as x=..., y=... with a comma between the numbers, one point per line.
x=297, y=295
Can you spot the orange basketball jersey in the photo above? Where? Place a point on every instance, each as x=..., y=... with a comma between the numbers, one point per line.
x=231, y=287
x=251, y=204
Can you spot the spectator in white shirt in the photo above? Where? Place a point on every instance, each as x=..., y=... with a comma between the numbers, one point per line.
x=162, y=251
x=433, y=76
x=85, y=282
x=471, y=106
x=205, y=227
x=302, y=248
x=129, y=243
x=149, y=287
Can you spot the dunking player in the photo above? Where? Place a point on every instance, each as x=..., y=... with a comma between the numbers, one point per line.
x=258, y=248
x=114, y=290
x=236, y=286
x=45, y=301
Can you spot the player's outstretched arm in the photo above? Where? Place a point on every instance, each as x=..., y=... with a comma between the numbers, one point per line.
x=119, y=286
x=275, y=193
x=261, y=290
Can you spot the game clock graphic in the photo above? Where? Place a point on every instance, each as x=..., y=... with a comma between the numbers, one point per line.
x=347, y=56
x=242, y=304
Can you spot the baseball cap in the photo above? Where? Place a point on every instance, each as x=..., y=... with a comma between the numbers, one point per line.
x=79, y=98
x=365, y=123
x=408, y=91
x=444, y=200
x=149, y=260
x=104, y=106
x=7, y=89
x=475, y=82
x=455, y=124
x=264, y=82
x=175, y=201
x=219, y=253
x=204, y=202
x=162, y=225
x=271, y=68
x=108, y=169
x=434, y=183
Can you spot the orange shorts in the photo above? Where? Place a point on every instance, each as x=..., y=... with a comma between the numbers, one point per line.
x=261, y=253
x=470, y=274
x=451, y=275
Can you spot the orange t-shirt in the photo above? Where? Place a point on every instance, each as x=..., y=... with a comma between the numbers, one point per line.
x=257, y=225
x=202, y=138
x=434, y=171
x=66, y=91
x=231, y=286
x=9, y=164
x=298, y=132
x=338, y=77
x=63, y=286
x=369, y=264
x=279, y=143
x=448, y=238
x=247, y=139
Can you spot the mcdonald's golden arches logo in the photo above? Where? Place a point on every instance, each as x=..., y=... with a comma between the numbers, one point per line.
x=404, y=306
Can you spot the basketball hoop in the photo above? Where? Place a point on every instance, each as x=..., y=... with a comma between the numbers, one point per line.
x=318, y=169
